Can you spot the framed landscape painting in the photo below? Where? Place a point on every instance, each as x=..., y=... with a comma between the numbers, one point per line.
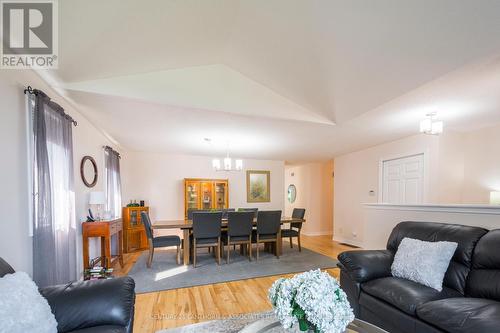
x=258, y=186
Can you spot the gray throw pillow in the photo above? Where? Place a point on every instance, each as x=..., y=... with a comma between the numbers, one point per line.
x=22, y=308
x=423, y=262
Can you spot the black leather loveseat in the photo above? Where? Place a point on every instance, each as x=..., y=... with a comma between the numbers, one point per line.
x=102, y=306
x=469, y=302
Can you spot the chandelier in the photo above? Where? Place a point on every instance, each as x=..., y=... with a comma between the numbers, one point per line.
x=430, y=125
x=227, y=164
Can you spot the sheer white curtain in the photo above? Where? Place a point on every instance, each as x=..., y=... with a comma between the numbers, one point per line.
x=54, y=226
x=113, y=182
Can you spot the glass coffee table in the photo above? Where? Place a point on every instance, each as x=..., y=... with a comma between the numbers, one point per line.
x=272, y=325
x=263, y=322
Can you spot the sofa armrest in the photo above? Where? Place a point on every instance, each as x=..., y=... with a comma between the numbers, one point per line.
x=86, y=304
x=362, y=266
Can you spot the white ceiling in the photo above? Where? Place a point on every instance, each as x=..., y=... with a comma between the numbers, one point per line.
x=298, y=80
x=210, y=87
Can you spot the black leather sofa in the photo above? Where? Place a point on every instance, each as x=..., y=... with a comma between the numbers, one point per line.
x=469, y=302
x=102, y=306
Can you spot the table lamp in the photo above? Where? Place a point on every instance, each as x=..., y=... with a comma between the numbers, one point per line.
x=494, y=198
x=98, y=199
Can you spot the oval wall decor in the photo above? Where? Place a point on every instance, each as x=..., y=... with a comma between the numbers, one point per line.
x=88, y=171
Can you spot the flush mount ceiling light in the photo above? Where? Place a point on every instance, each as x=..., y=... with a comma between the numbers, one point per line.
x=430, y=125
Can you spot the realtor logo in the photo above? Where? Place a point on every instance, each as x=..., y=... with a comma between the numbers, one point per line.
x=29, y=34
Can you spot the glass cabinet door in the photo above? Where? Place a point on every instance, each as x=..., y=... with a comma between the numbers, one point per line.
x=220, y=196
x=134, y=218
x=206, y=195
x=192, y=195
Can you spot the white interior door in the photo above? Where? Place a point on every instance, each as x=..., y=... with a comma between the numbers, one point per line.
x=403, y=180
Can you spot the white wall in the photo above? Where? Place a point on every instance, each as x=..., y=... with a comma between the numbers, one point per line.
x=87, y=140
x=159, y=180
x=461, y=168
x=314, y=183
x=357, y=173
x=15, y=244
x=482, y=167
x=451, y=169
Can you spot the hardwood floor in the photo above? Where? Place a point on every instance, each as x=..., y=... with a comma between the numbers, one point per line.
x=178, y=307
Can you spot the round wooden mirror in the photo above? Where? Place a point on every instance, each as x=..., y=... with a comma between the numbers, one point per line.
x=292, y=193
x=88, y=171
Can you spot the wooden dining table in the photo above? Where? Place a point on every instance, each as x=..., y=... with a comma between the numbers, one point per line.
x=187, y=226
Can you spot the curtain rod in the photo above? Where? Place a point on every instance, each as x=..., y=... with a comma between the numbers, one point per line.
x=111, y=148
x=30, y=90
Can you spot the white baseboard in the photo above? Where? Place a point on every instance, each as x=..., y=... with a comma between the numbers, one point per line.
x=347, y=241
x=317, y=233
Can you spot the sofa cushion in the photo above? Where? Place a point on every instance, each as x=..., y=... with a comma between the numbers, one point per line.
x=404, y=294
x=484, y=278
x=5, y=268
x=462, y=315
x=102, y=329
x=389, y=318
x=84, y=304
x=466, y=237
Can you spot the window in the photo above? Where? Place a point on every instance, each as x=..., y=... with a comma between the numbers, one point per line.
x=113, y=182
x=50, y=147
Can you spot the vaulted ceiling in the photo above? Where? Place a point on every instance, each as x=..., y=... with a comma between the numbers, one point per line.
x=280, y=79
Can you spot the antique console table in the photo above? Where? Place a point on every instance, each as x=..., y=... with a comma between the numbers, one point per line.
x=104, y=230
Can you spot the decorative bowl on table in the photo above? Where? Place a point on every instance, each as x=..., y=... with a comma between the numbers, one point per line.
x=312, y=301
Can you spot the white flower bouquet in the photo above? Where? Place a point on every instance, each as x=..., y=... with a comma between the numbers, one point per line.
x=313, y=300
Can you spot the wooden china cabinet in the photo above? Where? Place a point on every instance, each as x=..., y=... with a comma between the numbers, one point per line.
x=205, y=194
x=134, y=234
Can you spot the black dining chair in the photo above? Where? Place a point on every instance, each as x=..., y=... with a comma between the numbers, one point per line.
x=294, y=230
x=226, y=211
x=196, y=210
x=224, y=217
x=254, y=210
x=268, y=229
x=160, y=241
x=239, y=231
x=207, y=232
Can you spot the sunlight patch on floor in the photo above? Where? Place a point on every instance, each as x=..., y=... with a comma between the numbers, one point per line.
x=171, y=272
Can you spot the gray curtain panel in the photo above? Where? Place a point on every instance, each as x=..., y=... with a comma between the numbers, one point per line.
x=54, y=226
x=113, y=183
